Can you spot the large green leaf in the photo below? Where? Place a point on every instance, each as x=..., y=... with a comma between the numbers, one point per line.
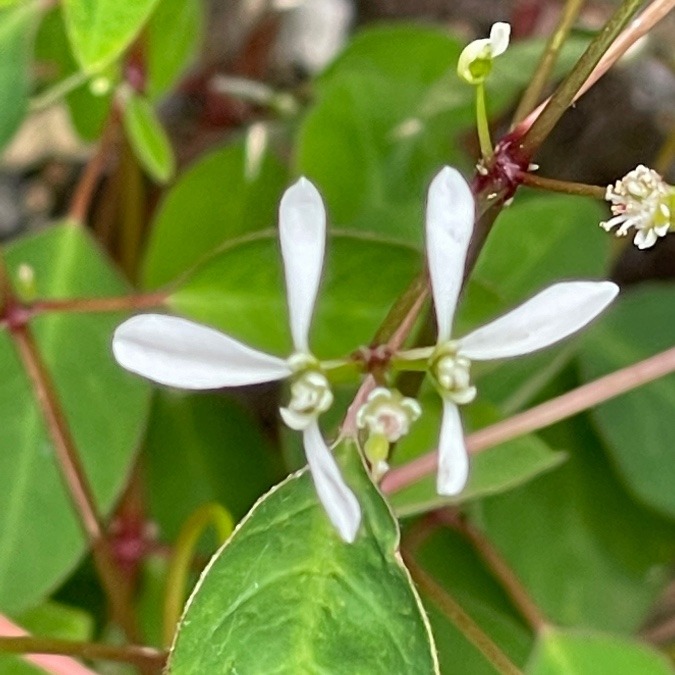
x=17, y=30
x=637, y=426
x=100, y=30
x=499, y=469
x=215, y=200
x=40, y=538
x=373, y=175
x=202, y=448
x=287, y=595
x=241, y=291
x=577, y=653
x=588, y=556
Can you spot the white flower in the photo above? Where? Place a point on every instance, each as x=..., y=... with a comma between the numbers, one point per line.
x=388, y=414
x=184, y=354
x=644, y=201
x=552, y=315
x=475, y=61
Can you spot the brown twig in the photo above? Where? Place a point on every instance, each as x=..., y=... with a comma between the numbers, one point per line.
x=143, y=657
x=123, y=303
x=548, y=59
x=53, y=664
x=498, y=566
x=562, y=186
x=74, y=476
x=465, y=624
x=86, y=187
x=559, y=408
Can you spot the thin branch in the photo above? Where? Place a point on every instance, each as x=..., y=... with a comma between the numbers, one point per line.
x=114, y=583
x=50, y=663
x=548, y=59
x=637, y=29
x=86, y=187
x=580, y=74
x=499, y=567
x=562, y=186
x=143, y=657
x=464, y=623
x=557, y=409
x=119, y=304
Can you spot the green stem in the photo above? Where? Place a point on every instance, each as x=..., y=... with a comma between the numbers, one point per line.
x=54, y=94
x=482, y=123
x=548, y=59
x=179, y=567
x=143, y=657
x=566, y=92
x=563, y=186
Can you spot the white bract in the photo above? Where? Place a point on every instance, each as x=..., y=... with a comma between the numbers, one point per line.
x=184, y=354
x=475, y=61
x=552, y=315
x=641, y=200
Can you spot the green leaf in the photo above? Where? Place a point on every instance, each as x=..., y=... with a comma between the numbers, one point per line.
x=588, y=556
x=172, y=39
x=148, y=138
x=241, y=291
x=17, y=32
x=214, y=201
x=203, y=448
x=637, y=427
x=496, y=470
x=371, y=171
x=286, y=595
x=577, y=653
x=41, y=540
x=100, y=30
x=88, y=111
x=56, y=620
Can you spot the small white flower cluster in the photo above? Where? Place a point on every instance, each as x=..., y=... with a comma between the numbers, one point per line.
x=181, y=353
x=641, y=200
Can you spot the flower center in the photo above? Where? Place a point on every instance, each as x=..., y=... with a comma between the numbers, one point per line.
x=452, y=373
x=311, y=394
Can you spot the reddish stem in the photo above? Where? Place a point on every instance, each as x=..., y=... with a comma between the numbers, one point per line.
x=559, y=408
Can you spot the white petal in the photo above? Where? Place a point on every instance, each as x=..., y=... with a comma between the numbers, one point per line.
x=645, y=238
x=302, y=232
x=474, y=50
x=184, y=354
x=450, y=215
x=453, y=460
x=338, y=500
x=499, y=37
x=549, y=316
